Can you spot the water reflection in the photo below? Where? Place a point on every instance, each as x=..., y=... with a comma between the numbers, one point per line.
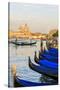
x=19, y=56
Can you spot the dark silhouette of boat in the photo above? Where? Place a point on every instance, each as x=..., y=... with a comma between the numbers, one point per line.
x=22, y=43
x=24, y=83
x=53, y=73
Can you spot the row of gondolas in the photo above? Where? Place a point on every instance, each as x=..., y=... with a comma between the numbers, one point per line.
x=47, y=64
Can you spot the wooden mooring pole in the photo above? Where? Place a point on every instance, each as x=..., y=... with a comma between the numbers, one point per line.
x=13, y=69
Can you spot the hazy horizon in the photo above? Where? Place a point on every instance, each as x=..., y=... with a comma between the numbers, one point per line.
x=39, y=17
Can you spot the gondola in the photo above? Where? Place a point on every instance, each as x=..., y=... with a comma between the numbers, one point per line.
x=43, y=61
x=53, y=49
x=47, y=63
x=49, y=57
x=24, y=83
x=23, y=43
x=53, y=53
x=53, y=73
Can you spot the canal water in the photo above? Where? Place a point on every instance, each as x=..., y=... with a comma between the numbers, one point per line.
x=19, y=55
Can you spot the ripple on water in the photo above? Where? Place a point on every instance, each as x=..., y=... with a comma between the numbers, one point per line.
x=19, y=56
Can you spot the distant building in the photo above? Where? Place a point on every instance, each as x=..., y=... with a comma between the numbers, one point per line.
x=24, y=32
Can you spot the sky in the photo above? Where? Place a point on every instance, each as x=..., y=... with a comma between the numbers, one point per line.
x=39, y=17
